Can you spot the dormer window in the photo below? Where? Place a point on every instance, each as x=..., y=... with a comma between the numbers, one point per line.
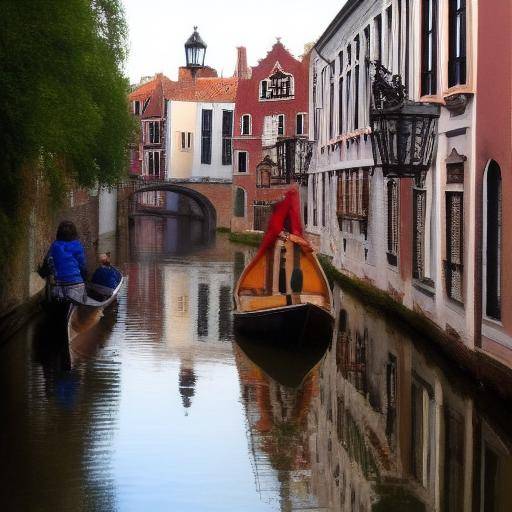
x=136, y=107
x=279, y=85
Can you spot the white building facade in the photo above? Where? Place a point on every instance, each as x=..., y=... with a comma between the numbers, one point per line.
x=414, y=241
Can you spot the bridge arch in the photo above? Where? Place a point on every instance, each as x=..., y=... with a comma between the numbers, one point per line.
x=206, y=206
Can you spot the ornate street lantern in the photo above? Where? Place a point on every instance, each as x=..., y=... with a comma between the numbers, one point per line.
x=195, y=50
x=404, y=132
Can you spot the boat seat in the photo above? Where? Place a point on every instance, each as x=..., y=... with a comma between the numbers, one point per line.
x=262, y=302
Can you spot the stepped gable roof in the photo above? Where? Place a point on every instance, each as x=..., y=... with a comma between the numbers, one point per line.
x=203, y=89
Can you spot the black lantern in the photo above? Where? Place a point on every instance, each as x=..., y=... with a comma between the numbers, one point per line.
x=404, y=132
x=195, y=50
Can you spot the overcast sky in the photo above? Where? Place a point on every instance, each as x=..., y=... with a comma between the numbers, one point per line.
x=159, y=29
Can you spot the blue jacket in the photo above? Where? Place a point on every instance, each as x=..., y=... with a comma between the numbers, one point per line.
x=68, y=259
x=106, y=276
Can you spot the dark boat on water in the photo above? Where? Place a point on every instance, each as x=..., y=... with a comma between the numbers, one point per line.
x=74, y=319
x=283, y=295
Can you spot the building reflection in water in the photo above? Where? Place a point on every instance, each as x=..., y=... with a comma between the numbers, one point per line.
x=381, y=424
x=167, y=223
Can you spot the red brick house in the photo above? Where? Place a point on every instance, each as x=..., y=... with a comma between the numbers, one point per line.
x=270, y=134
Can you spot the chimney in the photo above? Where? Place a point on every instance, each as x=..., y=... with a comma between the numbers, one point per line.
x=242, y=70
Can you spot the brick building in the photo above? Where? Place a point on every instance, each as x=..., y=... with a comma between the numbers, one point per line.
x=270, y=133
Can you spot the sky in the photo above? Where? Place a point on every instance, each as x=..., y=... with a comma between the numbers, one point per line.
x=158, y=30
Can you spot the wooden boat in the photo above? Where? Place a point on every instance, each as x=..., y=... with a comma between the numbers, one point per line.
x=82, y=317
x=283, y=295
x=74, y=319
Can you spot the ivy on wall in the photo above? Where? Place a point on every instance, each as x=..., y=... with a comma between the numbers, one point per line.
x=64, y=116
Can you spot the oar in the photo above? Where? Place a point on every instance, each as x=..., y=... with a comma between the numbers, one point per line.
x=297, y=279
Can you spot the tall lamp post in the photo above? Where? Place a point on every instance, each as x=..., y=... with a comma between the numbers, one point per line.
x=404, y=132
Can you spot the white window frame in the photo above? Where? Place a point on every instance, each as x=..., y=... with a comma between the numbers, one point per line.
x=242, y=124
x=303, y=116
x=236, y=161
x=279, y=116
x=189, y=141
x=145, y=167
x=148, y=132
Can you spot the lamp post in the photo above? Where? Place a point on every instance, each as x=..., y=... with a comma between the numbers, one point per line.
x=404, y=132
x=195, y=50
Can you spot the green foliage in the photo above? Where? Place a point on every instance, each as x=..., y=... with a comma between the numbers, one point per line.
x=253, y=239
x=63, y=102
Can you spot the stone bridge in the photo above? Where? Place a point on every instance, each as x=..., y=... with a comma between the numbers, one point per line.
x=214, y=197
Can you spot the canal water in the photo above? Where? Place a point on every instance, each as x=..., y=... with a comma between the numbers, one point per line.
x=159, y=409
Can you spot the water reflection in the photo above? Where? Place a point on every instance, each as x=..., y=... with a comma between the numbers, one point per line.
x=159, y=410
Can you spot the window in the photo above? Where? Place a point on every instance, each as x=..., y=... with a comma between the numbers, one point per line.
x=203, y=298
x=225, y=318
x=136, y=107
x=324, y=198
x=340, y=106
x=353, y=196
x=185, y=141
x=389, y=20
x=242, y=157
x=206, y=136
x=454, y=460
x=419, y=209
x=315, y=200
x=239, y=204
x=378, y=37
x=331, y=102
x=493, y=242
x=280, y=124
x=154, y=132
x=301, y=124
x=429, y=48
x=262, y=212
x=347, y=99
x=454, y=269
x=457, y=42
x=152, y=163
x=227, y=133
x=393, y=221
x=279, y=85
x=357, y=45
x=245, y=125
x=367, y=73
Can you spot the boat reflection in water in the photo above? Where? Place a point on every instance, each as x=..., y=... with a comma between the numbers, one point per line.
x=288, y=366
x=381, y=424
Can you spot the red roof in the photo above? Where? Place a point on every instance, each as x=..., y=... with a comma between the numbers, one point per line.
x=202, y=89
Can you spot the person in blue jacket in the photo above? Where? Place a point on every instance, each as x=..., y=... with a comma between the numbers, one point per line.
x=66, y=258
x=106, y=274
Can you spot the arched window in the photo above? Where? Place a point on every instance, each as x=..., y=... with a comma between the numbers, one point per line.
x=246, y=124
x=239, y=207
x=492, y=209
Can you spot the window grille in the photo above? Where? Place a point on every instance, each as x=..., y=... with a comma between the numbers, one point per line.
x=225, y=318
x=429, y=47
x=227, y=132
x=457, y=42
x=262, y=213
x=353, y=197
x=393, y=222
x=419, y=209
x=454, y=269
x=206, y=137
x=154, y=132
